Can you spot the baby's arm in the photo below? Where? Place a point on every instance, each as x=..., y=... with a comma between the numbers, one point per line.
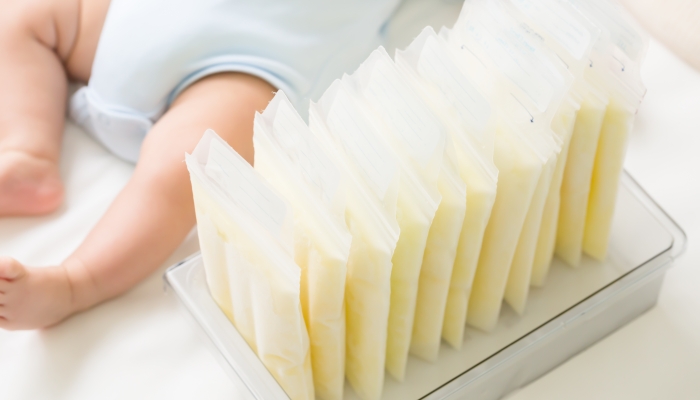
x=149, y=218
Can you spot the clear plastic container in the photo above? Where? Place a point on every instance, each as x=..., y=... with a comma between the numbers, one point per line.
x=574, y=309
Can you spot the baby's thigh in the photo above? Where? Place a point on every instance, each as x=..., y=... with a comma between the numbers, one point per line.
x=70, y=28
x=92, y=18
x=225, y=102
x=53, y=23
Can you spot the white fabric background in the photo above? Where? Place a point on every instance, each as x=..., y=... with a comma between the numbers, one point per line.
x=673, y=22
x=141, y=346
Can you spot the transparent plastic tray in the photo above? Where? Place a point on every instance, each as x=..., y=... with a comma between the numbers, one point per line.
x=575, y=308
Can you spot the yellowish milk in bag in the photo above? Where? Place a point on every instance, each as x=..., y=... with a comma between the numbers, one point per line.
x=352, y=141
x=527, y=100
x=614, y=63
x=418, y=138
x=214, y=260
x=518, y=283
x=527, y=41
x=607, y=169
x=622, y=53
x=475, y=157
x=481, y=195
x=552, y=24
x=438, y=260
x=544, y=251
x=253, y=224
x=519, y=169
x=288, y=157
x=466, y=113
x=576, y=182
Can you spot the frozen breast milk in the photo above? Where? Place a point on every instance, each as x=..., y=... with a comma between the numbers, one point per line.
x=466, y=114
x=544, y=252
x=606, y=174
x=214, y=258
x=571, y=39
x=528, y=91
x=481, y=194
x=418, y=138
x=288, y=157
x=576, y=183
x=614, y=62
x=474, y=147
x=526, y=40
x=351, y=140
x=518, y=283
x=621, y=52
x=519, y=170
x=252, y=222
x=438, y=260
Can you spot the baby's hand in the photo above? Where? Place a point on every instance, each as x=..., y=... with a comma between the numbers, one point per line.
x=33, y=297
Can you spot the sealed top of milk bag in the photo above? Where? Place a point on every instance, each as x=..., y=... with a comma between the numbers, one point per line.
x=519, y=106
x=530, y=65
x=287, y=129
x=244, y=186
x=417, y=136
x=453, y=93
x=287, y=154
x=374, y=176
x=615, y=62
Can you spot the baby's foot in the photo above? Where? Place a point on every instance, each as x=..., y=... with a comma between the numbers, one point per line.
x=33, y=297
x=29, y=185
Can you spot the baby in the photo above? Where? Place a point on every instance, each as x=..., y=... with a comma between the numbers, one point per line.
x=170, y=69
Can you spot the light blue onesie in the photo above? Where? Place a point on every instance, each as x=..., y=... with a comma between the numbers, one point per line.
x=150, y=50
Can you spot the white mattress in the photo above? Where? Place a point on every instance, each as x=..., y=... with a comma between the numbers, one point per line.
x=141, y=346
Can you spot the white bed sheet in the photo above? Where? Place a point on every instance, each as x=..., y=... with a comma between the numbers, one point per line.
x=141, y=346
x=137, y=346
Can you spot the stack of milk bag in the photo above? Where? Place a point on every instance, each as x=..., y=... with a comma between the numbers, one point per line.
x=424, y=191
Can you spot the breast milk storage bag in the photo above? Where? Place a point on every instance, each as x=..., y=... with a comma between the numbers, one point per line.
x=527, y=52
x=287, y=156
x=621, y=52
x=418, y=138
x=438, y=259
x=521, y=155
x=577, y=184
x=577, y=174
x=425, y=191
x=549, y=22
x=252, y=225
x=444, y=286
x=353, y=141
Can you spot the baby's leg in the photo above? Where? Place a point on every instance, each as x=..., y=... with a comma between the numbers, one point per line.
x=41, y=42
x=149, y=218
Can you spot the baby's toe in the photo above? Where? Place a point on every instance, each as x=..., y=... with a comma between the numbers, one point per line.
x=10, y=269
